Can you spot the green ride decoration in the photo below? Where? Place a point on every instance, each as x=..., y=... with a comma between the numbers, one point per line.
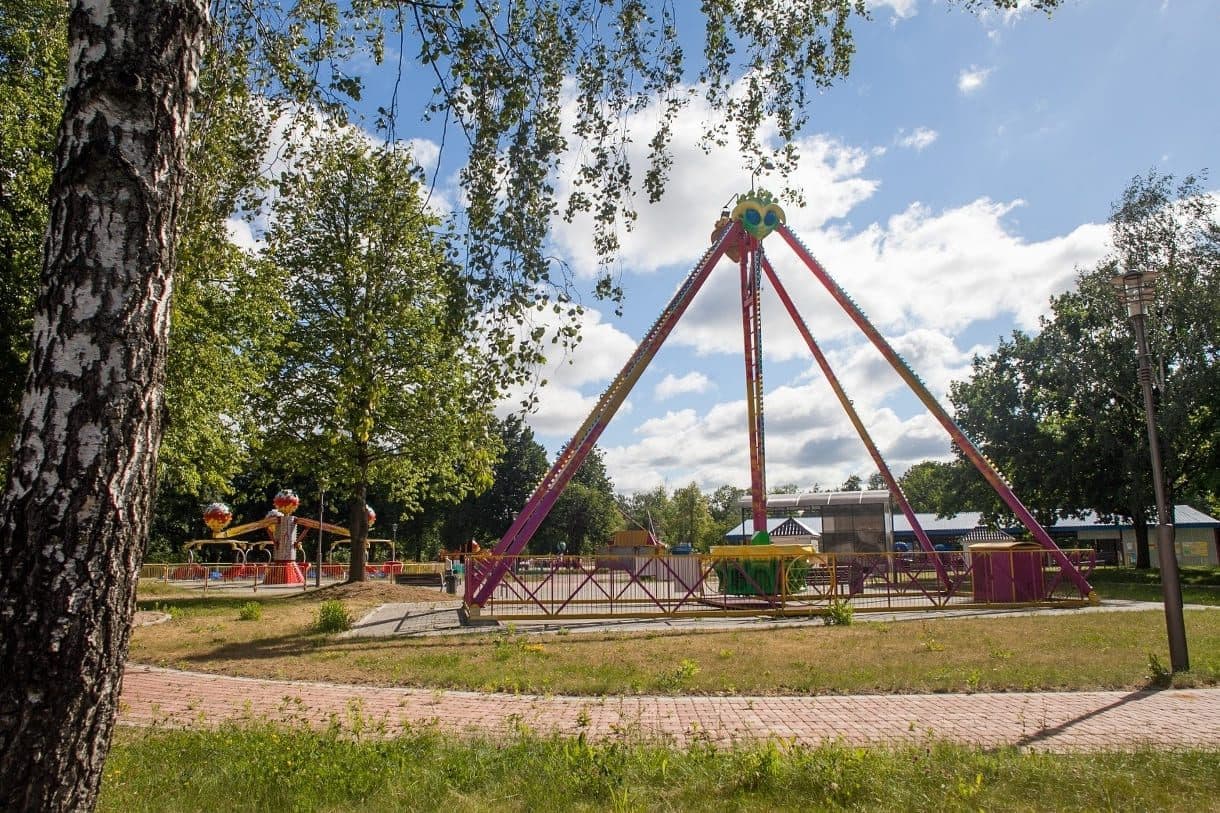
x=758, y=212
x=761, y=568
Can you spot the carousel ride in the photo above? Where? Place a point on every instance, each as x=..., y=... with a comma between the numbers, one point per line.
x=276, y=557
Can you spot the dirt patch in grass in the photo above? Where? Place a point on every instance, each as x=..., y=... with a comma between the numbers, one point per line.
x=144, y=618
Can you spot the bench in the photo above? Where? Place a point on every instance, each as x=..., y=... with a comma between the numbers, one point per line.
x=821, y=575
x=419, y=579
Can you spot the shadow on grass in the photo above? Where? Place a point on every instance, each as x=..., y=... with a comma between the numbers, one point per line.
x=225, y=599
x=306, y=641
x=199, y=603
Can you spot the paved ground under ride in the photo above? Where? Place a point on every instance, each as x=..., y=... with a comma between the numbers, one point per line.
x=1072, y=721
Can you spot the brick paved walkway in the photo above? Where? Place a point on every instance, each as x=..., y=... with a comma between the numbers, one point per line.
x=1043, y=721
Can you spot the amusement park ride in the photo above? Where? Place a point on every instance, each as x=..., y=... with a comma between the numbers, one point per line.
x=281, y=525
x=739, y=235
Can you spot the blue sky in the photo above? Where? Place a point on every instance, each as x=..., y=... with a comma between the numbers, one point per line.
x=954, y=181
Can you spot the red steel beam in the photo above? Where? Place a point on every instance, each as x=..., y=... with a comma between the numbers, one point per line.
x=849, y=408
x=569, y=461
x=750, y=334
x=964, y=443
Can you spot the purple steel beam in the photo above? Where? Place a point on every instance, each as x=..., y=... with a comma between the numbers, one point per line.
x=964, y=443
x=569, y=461
x=749, y=329
x=849, y=408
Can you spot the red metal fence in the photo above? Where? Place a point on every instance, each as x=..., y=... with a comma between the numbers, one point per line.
x=267, y=574
x=767, y=584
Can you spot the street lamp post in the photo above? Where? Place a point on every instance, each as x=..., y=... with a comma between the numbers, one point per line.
x=1137, y=290
x=317, y=579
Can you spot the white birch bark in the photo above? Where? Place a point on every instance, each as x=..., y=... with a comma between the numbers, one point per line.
x=75, y=512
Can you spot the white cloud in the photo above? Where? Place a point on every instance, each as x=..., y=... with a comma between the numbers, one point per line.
x=675, y=231
x=562, y=404
x=921, y=268
x=810, y=441
x=901, y=9
x=425, y=151
x=995, y=20
x=241, y=234
x=918, y=139
x=670, y=385
x=922, y=275
x=972, y=79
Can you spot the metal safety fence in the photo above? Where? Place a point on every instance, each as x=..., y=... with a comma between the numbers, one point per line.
x=767, y=583
x=256, y=575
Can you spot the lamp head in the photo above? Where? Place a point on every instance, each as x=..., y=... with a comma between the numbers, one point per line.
x=1137, y=290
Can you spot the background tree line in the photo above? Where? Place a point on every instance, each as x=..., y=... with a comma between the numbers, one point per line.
x=1060, y=410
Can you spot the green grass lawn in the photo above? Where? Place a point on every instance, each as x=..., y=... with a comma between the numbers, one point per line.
x=1065, y=650
x=1194, y=575
x=1200, y=585
x=271, y=769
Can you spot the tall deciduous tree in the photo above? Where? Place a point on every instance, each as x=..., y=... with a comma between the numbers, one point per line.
x=689, y=519
x=486, y=516
x=1061, y=411
x=650, y=509
x=378, y=376
x=585, y=515
x=74, y=515
x=941, y=487
x=229, y=307
x=224, y=304
x=852, y=483
x=33, y=58
x=726, y=512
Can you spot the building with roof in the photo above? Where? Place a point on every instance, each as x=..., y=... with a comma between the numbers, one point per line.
x=1196, y=534
x=864, y=521
x=783, y=531
x=846, y=521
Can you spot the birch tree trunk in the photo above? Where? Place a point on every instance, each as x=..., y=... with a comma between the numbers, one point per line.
x=75, y=511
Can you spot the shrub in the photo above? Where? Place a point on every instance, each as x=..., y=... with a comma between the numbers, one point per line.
x=839, y=614
x=1159, y=674
x=675, y=678
x=250, y=611
x=333, y=617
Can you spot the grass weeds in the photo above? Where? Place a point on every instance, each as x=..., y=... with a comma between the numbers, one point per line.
x=332, y=616
x=263, y=768
x=1060, y=651
x=250, y=611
